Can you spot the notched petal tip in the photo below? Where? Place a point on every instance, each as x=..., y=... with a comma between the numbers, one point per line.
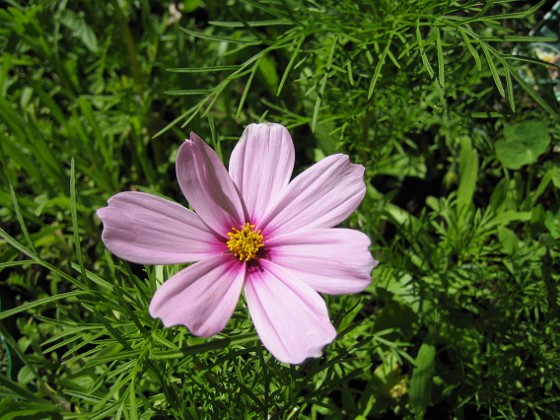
x=195, y=138
x=101, y=213
x=313, y=352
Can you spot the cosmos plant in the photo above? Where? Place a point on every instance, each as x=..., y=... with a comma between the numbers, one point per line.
x=252, y=230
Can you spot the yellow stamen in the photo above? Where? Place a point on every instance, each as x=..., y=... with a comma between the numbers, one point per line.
x=245, y=243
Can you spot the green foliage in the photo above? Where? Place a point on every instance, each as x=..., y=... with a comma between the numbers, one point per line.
x=422, y=379
x=523, y=143
x=461, y=158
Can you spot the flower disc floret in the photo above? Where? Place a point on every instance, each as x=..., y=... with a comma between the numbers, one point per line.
x=245, y=243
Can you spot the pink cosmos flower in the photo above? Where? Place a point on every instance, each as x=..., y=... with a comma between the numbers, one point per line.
x=254, y=230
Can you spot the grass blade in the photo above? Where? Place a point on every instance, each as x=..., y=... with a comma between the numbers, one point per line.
x=493, y=69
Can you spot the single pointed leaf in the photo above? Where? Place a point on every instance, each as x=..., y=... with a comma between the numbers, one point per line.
x=468, y=167
x=493, y=69
x=421, y=382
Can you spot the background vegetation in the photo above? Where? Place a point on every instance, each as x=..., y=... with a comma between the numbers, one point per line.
x=431, y=96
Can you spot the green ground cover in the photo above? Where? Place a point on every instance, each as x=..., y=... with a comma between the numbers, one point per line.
x=462, y=166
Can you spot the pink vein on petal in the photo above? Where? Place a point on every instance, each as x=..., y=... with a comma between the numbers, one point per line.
x=291, y=318
x=320, y=197
x=261, y=166
x=208, y=187
x=333, y=261
x=201, y=297
x=146, y=229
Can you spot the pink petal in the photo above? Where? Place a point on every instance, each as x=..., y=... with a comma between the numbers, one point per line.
x=201, y=297
x=333, y=261
x=320, y=197
x=208, y=187
x=261, y=165
x=147, y=229
x=290, y=317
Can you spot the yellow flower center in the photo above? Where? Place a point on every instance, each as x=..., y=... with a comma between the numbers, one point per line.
x=245, y=242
